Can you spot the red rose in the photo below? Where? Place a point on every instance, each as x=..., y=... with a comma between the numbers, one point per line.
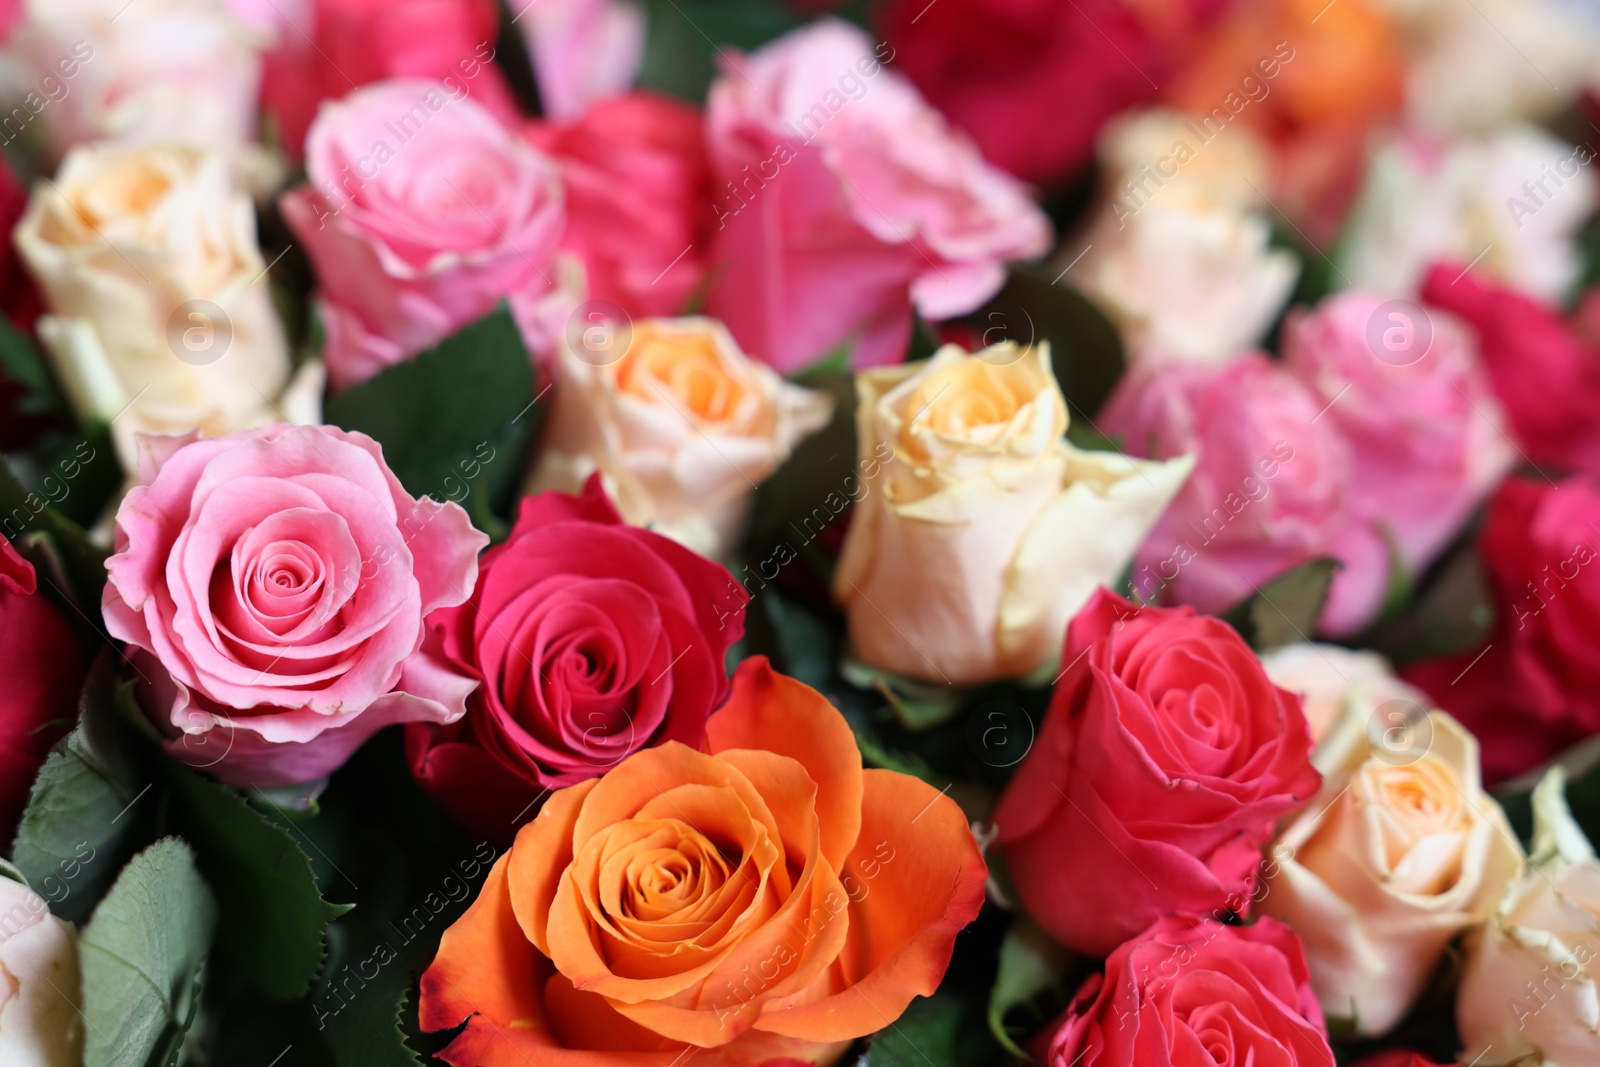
x=1164, y=759
x=42, y=668
x=350, y=43
x=638, y=193
x=1546, y=374
x=591, y=640
x=1536, y=688
x=1032, y=81
x=1191, y=991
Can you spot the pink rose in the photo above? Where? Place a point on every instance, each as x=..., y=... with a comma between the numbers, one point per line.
x=1273, y=487
x=844, y=199
x=1544, y=370
x=421, y=212
x=1189, y=992
x=1406, y=389
x=326, y=48
x=638, y=199
x=582, y=51
x=271, y=585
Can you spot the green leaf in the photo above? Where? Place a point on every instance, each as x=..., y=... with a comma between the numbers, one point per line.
x=22, y=365
x=936, y=1031
x=1030, y=963
x=831, y=365
x=1285, y=609
x=81, y=819
x=273, y=917
x=1452, y=613
x=806, y=644
x=369, y=1031
x=142, y=955
x=27, y=518
x=455, y=421
x=688, y=38
x=918, y=705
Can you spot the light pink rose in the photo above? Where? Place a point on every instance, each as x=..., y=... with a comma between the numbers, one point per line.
x=843, y=200
x=1273, y=487
x=271, y=586
x=582, y=50
x=421, y=212
x=1406, y=388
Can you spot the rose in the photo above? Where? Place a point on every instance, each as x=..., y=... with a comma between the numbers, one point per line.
x=1030, y=80
x=421, y=213
x=1545, y=371
x=768, y=900
x=1401, y=852
x=39, y=1000
x=271, y=586
x=43, y=667
x=1473, y=201
x=1423, y=427
x=1331, y=680
x=1185, y=268
x=1314, y=82
x=1531, y=975
x=1191, y=988
x=590, y=640
x=20, y=304
x=1272, y=488
x=171, y=71
x=638, y=196
x=848, y=200
x=1162, y=763
x=160, y=320
x=333, y=46
x=583, y=51
x=1535, y=689
x=679, y=423
x=979, y=530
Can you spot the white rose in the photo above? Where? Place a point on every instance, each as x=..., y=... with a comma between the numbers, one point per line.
x=1330, y=680
x=39, y=984
x=1531, y=986
x=1508, y=204
x=1401, y=851
x=979, y=530
x=1179, y=256
x=680, y=424
x=148, y=72
x=161, y=318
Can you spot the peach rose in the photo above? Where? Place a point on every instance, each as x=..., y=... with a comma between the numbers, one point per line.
x=1329, y=679
x=678, y=421
x=1531, y=987
x=40, y=990
x=767, y=900
x=1402, y=851
x=990, y=530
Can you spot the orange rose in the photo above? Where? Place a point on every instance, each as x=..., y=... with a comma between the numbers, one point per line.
x=767, y=900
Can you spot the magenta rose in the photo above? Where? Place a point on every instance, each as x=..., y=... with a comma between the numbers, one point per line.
x=271, y=587
x=591, y=639
x=1188, y=992
x=1273, y=487
x=1534, y=690
x=1545, y=371
x=1424, y=428
x=421, y=212
x=844, y=200
x=1163, y=761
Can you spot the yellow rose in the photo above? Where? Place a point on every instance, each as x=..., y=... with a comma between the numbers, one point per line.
x=680, y=424
x=161, y=319
x=985, y=531
x=1401, y=851
x=1532, y=980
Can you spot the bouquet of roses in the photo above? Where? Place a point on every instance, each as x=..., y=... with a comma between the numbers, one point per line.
x=793, y=533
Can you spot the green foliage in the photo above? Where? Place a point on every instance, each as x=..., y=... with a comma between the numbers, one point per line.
x=1285, y=609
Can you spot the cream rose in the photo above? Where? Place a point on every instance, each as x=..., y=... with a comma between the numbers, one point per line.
x=1332, y=681
x=161, y=319
x=150, y=72
x=39, y=984
x=1400, y=852
x=1531, y=986
x=678, y=421
x=984, y=531
x=1179, y=255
